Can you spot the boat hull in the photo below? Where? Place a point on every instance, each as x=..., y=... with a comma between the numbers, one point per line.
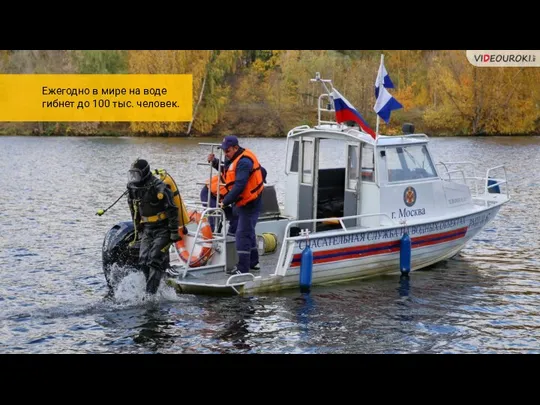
x=355, y=255
x=341, y=256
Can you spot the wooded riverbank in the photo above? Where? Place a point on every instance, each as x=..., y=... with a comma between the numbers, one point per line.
x=265, y=93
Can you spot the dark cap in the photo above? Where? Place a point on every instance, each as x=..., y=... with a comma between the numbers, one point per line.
x=228, y=141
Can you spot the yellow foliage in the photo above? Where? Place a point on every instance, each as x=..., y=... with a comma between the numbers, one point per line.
x=405, y=95
x=166, y=62
x=421, y=99
x=216, y=91
x=445, y=119
x=480, y=100
x=207, y=67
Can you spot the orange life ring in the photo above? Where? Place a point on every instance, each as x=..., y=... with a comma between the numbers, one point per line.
x=202, y=255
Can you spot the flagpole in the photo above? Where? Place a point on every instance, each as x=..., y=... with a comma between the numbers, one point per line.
x=379, y=83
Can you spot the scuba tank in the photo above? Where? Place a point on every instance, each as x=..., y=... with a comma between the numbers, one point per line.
x=183, y=217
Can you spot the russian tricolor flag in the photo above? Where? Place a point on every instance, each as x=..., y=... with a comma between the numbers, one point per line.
x=346, y=112
x=384, y=78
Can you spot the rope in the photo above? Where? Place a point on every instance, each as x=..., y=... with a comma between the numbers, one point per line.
x=269, y=242
x=136, y=211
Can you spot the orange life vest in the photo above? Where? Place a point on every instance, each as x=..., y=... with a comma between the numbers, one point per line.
x=214, y=185
x=254, y=186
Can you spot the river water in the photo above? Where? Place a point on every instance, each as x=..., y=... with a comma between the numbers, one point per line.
x=53, y=296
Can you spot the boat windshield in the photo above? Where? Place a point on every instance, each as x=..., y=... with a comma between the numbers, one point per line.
x=409, y=163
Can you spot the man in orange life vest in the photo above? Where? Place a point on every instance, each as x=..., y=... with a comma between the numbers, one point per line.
x=244, y=183
x=211, y=188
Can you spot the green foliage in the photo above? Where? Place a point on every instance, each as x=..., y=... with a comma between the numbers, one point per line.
x=36, y=61
x=100, y=62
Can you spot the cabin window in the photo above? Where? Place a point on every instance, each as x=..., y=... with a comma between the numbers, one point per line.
x=307, y=162
x=406, y=163
x=352, y=166
x=368, y=163
x=294, y=157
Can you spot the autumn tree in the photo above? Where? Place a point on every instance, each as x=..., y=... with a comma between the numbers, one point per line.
x=210, y=89
x=472, y=100
x=215, y=90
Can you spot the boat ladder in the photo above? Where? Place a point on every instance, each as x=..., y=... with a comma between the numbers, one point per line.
x=219, y=232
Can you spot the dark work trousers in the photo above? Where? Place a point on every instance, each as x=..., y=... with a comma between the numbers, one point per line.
x=229, y=215
x=246, y=243
x=152, y=260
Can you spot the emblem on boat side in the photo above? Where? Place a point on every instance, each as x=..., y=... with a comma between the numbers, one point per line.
x=409, y=196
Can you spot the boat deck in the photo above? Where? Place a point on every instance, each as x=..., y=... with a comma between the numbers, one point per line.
x=216, y=282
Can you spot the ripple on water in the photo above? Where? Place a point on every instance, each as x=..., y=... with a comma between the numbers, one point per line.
x=55, y=299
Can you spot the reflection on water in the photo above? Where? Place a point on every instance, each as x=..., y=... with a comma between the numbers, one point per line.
x=54, y=297
x=404, y=285
x=152, y=333
x=236, y=327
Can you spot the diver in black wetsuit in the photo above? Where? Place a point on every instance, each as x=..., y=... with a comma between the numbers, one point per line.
x=155, y=216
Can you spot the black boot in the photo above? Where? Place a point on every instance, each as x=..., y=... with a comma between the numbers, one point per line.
x=153, y=280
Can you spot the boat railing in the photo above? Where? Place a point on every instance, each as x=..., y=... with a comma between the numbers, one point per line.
x=218, y=237
x=494, y=181
x=467, y=171
x=285, y=254
x=339, y=219
x=220, y=226
x=233, y=281
x=329, y=101
x=328, y=107
x=299, y=129
x=415, y=136
x=213, y=146
x=470, y=165
x=482, y=187
x=383, y=139
x=211, y=167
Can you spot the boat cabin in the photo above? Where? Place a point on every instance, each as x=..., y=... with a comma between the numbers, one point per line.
x=335, y=170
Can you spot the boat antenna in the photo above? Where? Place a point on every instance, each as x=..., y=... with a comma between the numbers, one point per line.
x=323, y=82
